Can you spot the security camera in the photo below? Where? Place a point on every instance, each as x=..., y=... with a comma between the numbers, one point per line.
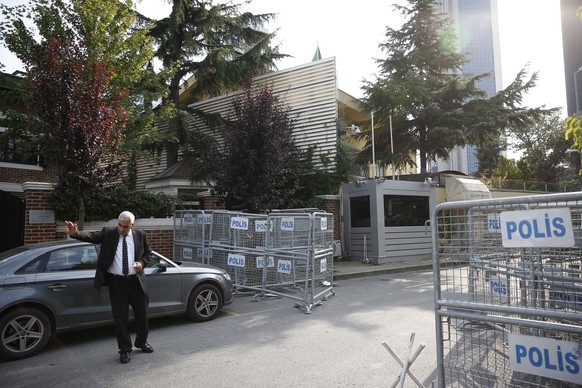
x=428, y=181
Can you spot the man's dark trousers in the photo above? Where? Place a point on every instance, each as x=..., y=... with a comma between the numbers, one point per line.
x=124, y=292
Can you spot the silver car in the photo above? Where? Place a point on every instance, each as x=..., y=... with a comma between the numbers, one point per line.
x=48, y=288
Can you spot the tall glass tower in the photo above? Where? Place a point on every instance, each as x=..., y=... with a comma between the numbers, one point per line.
x=478, y=31
x=571, y=37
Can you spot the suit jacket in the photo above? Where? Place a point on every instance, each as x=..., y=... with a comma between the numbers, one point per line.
x=109, y=238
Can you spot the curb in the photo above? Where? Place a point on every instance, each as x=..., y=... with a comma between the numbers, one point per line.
x=381, y=271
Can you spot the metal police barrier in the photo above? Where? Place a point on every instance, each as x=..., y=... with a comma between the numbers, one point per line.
x=237, y=242
x=191, y=235
x=299, y=258
x=281, y=254
x=508, y=291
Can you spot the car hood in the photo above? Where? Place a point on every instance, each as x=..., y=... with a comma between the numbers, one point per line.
x=199, y=267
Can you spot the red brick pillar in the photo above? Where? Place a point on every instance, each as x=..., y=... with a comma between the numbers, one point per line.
x=208, y=202
x=40, y=224
x=331, y=204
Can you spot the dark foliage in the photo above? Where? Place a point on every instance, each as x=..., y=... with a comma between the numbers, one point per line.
x=258, y=167
x=215, y=44
x=109, y=202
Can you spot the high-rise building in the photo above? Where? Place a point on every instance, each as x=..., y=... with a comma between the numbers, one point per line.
x=571, y=41
x=478, y=31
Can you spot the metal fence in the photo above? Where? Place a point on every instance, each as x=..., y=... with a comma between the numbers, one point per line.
x=508, y=291
x=191, y=235
x=285, y=254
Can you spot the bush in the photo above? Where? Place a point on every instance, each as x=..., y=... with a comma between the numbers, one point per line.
x=111, y=201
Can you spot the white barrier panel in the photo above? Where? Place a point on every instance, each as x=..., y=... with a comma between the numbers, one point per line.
x=544, y=228
x=560, y=360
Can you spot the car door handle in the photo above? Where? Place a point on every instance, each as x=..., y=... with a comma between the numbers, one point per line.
x=58, y=287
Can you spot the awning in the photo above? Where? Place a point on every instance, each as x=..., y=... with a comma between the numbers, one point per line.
x=462, y=189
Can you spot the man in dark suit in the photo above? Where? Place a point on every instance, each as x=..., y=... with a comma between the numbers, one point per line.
x=124, y=253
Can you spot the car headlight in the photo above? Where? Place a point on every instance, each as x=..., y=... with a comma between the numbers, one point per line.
x=227, y=276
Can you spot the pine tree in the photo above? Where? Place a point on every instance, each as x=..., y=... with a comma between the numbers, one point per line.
x=432, y=106
x=218, y=46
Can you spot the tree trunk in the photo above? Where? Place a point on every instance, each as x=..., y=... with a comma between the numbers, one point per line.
x=422, y=145
x=81, y=202
x=422, y=162
x=172, y=148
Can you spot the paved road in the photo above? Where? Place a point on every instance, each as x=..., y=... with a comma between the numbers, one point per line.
x=268, y=343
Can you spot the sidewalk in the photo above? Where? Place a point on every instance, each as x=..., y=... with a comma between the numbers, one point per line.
x=345, y=269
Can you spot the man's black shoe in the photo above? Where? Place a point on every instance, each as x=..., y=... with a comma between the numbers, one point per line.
x=124, y=357
x=147, y=348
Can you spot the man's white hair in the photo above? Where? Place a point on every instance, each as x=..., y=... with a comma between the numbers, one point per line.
x=126, y=215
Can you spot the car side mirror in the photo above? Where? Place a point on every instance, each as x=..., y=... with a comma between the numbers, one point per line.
x=162, y=266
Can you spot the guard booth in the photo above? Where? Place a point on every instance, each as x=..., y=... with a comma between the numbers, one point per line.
x=387, y=220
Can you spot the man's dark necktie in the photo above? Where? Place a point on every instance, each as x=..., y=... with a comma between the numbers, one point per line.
x=124, y=257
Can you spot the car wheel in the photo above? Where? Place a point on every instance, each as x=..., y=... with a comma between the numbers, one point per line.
x=23, y=333
x=205, y=303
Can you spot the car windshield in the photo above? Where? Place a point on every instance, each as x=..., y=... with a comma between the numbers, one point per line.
x=8, y=257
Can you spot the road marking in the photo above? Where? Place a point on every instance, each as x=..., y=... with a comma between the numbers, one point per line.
x=420, y=285
x=250, y=313
x=230, y=313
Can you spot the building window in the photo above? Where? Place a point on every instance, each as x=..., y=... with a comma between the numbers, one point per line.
x=403, y=210
x=10, y=153
x=360, y=211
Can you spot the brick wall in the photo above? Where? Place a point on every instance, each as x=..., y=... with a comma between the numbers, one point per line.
x=20, y=173
x=160, y=232
x=209, y=202
x=161, y=241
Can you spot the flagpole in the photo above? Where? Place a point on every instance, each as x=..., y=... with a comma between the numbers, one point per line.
x=392, y=150
x=373, y=147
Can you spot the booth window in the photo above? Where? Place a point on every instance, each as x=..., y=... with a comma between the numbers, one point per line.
x=360, y=211
x=404, y=210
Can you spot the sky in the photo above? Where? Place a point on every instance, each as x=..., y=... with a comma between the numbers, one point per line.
x=530, y=34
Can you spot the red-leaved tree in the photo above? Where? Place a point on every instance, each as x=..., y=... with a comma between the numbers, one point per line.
x=77, y=122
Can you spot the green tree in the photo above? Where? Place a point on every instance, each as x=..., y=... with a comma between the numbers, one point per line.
x=314, y=181
x=257, y=167
x=544, y=147
x=433, y=107
x=216, y=45
x=487, y=157
x=507, y=170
